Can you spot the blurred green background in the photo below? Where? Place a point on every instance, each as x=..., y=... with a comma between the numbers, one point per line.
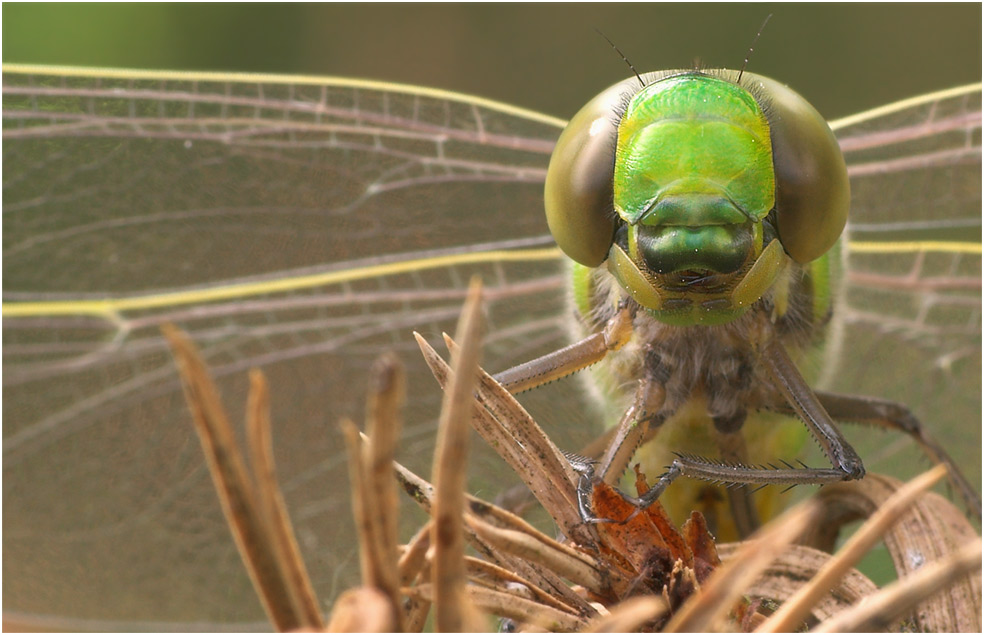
x=843, y=58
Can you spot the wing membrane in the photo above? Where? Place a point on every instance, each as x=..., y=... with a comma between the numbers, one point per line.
x=300, y=228
x=909, y=316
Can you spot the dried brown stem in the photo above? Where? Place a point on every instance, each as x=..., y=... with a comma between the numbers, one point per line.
x=237, y=493
x=423, y=493
x=361, y=610
x=556, y=557
x=383, y=422
x=881, y=609
x=511, y=606
x=271, y=502
x=794, y=610
x=489, y=574
x=448, y=568
x=412, y=559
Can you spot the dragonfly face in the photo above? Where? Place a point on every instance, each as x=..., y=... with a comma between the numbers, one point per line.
x=681, y=184
x=279, y=223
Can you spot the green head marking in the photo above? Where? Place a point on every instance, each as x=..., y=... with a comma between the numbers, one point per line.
x=693, y=181
x=693, y=150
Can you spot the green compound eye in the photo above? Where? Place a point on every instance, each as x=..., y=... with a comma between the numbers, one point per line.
x=812, y=193
x=578, y=187
x=689, y=151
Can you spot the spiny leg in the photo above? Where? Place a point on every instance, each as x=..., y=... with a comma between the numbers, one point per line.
x=638, y=422
x=571, y=359
x=847, y=465
x=697, y=467
x=896, y=416
x=633, y=428
x=732, y=448
x=566, y=361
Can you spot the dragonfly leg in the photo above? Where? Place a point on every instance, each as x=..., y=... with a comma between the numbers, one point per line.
x=846, y=464
x=570, y=359
x=801, y=398
x=896, y=416
x=732, y=448
x=640, y=421
x=585, y=467
x=637, y=425
x=697, y=467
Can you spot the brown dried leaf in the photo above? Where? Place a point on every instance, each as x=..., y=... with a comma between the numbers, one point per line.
x=727, y=584
x=664, y=526
x=634, y=537
x=701, y=544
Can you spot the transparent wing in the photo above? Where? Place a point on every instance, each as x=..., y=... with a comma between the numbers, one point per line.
x=299, y=227
x=908, y=322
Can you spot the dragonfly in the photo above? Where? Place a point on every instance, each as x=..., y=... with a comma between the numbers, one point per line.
x=303, y=225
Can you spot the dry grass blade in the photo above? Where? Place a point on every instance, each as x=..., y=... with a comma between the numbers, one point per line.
x=718, y=596
x=412, y=559
x=630, y=615
x=374, y=498
x=793, y=612
x=367, y=513
x=883, y=608
x=271, y=502
x=495, y=576
x=422, y=492
x=360, y=500
x=448, y=567
x=554, y=479
x=237, y=493
x=523, y=445
x=511, y=606
x=565, y=561
x=383, y=403
x=413, y=567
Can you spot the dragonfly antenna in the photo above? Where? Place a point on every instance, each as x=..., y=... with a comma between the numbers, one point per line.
x=751, y=47
x=630, y=64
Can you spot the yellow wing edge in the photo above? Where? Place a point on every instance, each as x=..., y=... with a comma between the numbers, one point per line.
x=436, y=93
x=111, y=307
x=272, y=78
x=903, y=104
x=927, y=246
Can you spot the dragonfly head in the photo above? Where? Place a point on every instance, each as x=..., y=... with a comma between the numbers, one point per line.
x=690, y=178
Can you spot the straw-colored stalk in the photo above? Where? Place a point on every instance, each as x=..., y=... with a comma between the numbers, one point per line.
x=641, y=574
